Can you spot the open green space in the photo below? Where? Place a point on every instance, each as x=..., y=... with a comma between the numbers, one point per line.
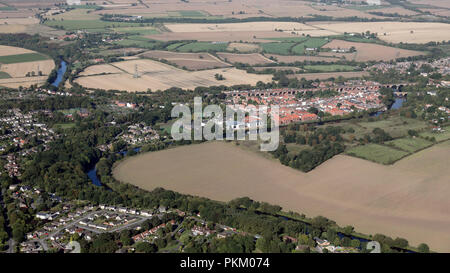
x=439, y=136
x=88, y=24
x=377, y=153
x=329, y=68
x=202, y=46
x=283, y=48
x=22, y=58
x=4, y=75
x=64, y=126
x=409, y=144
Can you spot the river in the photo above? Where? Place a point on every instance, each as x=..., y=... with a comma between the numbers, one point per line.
x=60, y=73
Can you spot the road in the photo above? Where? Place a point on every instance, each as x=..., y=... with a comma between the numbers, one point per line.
x=76, y=223
x=11, y=242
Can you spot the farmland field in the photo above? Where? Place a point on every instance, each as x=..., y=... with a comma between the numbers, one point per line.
x=17, y=62
x=409, y=144
x=202, y=47
x=243, y=47
x=250, y=59
x=370, y=52
x=395, y=200
x=396, y=32
x=377, y=153
x=324, y=76
x=293, y=59
x=248, y=26
x=192, y=61
x=283, y=48
x=22, y=58
x=329, y=67
x=158, y=76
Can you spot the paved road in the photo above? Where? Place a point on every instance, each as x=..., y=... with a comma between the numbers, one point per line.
x=11, y=242
x=94, y=230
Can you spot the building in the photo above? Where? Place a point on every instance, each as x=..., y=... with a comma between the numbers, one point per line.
x=73, y=2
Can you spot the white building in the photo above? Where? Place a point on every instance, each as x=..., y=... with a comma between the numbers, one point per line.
x=374, y=2
x=73, y=2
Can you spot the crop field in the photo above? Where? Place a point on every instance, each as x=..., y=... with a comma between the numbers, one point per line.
x=191, y=61
x=248, y=26
x=202, y=47
x=328, y=67
x=16, y=25
x=327, y=75
x=243, y=47
x=4, y=75
x=293, y=59
x=369, y=52
x=250, y=59
x=137, y=30
x=410, y=144
x=283, y=48
x=224, y=36
x=16, y=63
x=395, y=200
x=158, y=76
x=22, y=58
x=396, y=32
x=377, y=153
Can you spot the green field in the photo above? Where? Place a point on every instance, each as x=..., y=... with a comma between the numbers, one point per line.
x=329, y=67
x=64, y=126
x=283, y=48
x=23, y=58
x=293, y=45
x=7, y=8
x=409, y=144
x=4, y=75
x=377, y=153
x=439, y=136
x=202, y=46
x=137, y=41
x=191, y=13
x=315, y=42
x=98, y=25
x=174, y=46
x=395, y=126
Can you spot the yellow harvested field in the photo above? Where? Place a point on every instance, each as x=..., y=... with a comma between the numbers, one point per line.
x=396, y=32
x=250, y=26
x=243, y=47
x=18, y=70
x=225, y=36
x=250, y=59
x=19, y=21
x=408, y=199
x=100, y=69
x=11, y=50
x=158, y=76
x=23, y=81
x=191, y=61
x=370, y=52
x=16, y=25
